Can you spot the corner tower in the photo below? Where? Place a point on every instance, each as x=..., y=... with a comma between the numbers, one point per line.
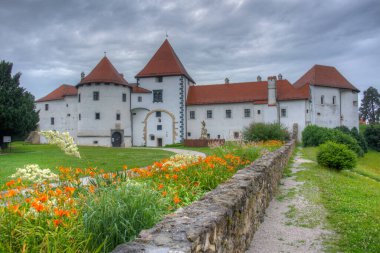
x=163, y=111
x=104, y=116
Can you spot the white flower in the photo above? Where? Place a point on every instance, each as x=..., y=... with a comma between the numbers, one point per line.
x=32, y=172
x=63, y=140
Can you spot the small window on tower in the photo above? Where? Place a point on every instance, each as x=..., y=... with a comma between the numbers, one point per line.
x=79, y=117
x=152, y=137
x=192, y=114
x=78, y=98
x=124, y=97
x=117, y=116
x=51, y=121
x=158, y=114
x=157, y=96
x=188, y=134
x=139, y=99
x=159, y=79
x=208, y=136
x=46, y=107
x=334, y=100
x=97, y=115
x=322, y=99
x=209, y=114
x=159, y=127
x=228, y=114
x=96, y=95
x=247, y=113
x=283, y=112
x=258, y=111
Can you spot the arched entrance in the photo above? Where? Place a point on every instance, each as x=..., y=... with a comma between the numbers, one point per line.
x=116, y=139
x=159, y=128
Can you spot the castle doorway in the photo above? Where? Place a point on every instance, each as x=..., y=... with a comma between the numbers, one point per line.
x=116, y=139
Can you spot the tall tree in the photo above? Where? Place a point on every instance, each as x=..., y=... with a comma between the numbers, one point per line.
x=17, y=109
x=370, y=107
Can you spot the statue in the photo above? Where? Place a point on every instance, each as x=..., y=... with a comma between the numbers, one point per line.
x=203, y=130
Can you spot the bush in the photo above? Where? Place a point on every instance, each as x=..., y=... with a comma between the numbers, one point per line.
x=314, y=135
x=372, y=136
x=360, y=139
x=336, y=156
x=265, y=132
x=117, y=215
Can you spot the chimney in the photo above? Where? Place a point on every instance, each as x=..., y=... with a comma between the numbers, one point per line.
x=226, y=81
x=82, y=75
x=259, y=78
x=279, y=76
x=272, y=90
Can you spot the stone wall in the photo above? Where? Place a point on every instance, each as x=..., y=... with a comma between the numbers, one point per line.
x=225, y=219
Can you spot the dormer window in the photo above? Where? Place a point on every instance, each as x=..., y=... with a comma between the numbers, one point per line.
x=159, y=79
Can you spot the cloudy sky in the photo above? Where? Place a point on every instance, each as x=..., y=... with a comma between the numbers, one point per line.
x=52, y=41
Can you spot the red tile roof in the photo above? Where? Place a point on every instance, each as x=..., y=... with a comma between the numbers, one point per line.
x=60, y=93
x=327, y=76
x=256, y=92
x=165, y=62
x=104, y=72
x=138, y=89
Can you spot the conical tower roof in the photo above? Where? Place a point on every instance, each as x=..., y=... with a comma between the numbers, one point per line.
x=104, y=72
x=164, y=62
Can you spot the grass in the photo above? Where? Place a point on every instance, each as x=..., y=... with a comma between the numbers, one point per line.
x=48, y=156
x=352, y=202
x=369, y=165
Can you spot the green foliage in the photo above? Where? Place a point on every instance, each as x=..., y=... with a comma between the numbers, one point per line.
x=360, y=139
x=265, y=132
x=370, y=106
x=314, y=135
x=117, y=215
x=336, y=156
x=372, y=136
x=17, y=110
x=174, y=145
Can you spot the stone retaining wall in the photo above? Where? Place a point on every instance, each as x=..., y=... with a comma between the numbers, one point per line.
x=225, y=219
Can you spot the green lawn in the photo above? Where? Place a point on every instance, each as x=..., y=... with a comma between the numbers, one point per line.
x=48, y=156
x=351, y=200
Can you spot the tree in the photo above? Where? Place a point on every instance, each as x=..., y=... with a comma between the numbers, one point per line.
x=370, y=107
x=17, y=110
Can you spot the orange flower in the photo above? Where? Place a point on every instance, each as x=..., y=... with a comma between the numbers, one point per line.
x=27, y=200
x=10, y=193
x=38, y=206
x=43, y=198
x=14, y=208
x=69, y=189
x=164, y=193
x=58, y=191
x=106, y=176
x=57, y=222
x=91, y=188
x=160, y=186
x=10, y=183
x=125, y=167
x=60, y=212
x=175, y=176
x=176, y=199
x=167, y=176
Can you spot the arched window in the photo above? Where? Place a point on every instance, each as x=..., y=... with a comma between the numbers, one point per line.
x=322, y=99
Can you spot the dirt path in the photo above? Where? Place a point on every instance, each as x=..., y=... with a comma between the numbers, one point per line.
x=293, y=223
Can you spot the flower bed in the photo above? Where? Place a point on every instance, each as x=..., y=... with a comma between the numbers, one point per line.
x=112, y=208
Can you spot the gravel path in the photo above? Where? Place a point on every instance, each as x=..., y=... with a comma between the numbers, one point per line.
x=184, y=151
x=292, y=222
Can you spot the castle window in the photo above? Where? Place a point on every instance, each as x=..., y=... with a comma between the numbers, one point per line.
x=117, y=116
x=158, y=114
x=46, y=107
x=124, y=97
x=283, y=112
x=139, y=99
x=322, y=99
x=67, y=105
x=95, y=142
x=218, y=136
x=68, y=115
x=208, y=136
x=78, y=98
x=96, y=95
x=159, y=127
x=247, y=113
x=209, y=114
x=334, y=100
x=228, y=114
x=355, y=103
x=152, y=137
x=188, y=134
x=192, y=114
x=51, y=121
x=159, y=79
x=236, y=135
x=79, y=117
x=97, y=115
x=258, y=111
x=157, y=96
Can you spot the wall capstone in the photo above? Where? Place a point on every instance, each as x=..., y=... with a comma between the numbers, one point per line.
x=225, y=219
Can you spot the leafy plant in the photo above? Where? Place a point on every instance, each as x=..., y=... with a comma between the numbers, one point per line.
x=372, y=136
x=336, y=156
x=265, y=132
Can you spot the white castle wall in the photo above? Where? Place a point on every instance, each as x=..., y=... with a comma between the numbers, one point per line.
x=64, y=113
x=295, y=113
x=350, y=112
x=109, y=104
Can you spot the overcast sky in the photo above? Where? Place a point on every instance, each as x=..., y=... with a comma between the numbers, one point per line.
x=52, y=41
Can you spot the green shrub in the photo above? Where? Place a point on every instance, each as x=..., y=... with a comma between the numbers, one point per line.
x=336, y=156
x=372, y=136
x=360, y=139
x=116, y=215
x=314, y=135
x=265, y=132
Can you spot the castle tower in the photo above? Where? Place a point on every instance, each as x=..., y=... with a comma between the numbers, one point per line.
x=104, y=117
x=163, y=110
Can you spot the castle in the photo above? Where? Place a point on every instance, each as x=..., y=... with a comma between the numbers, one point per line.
x=165, y=105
